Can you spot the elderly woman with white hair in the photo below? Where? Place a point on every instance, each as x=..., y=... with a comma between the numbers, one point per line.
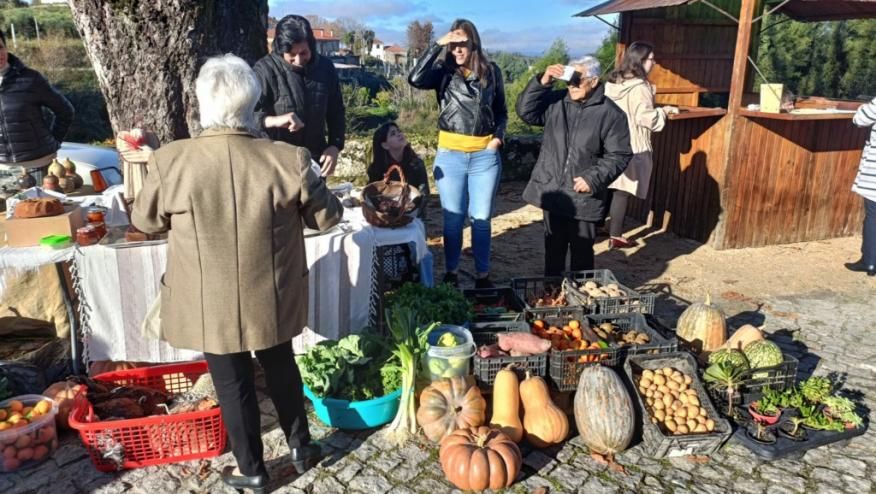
x=236, y=281
x=586, y=146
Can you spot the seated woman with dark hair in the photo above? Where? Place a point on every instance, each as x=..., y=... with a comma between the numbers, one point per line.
x=391, y=147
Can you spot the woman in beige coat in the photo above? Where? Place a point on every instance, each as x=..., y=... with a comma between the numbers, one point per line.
x=629, y=88
x=236, y=281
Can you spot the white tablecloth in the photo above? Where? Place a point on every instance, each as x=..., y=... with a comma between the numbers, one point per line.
x=119, y=285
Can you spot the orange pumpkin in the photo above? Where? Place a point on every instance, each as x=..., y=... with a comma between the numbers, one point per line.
x=450, y=404
x=63, y=393
x=480, y=458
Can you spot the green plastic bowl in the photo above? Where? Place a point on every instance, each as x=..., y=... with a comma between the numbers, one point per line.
x=355, y=415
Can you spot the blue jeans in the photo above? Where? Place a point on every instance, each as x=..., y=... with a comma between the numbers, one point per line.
x=467, y=183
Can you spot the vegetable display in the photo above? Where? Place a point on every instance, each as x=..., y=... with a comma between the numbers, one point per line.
x=478, y=458
x=355, y=368
x=450, y=404
x=27, y=435
x=763, y=353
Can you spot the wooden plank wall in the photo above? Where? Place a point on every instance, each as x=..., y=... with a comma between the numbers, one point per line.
x=790, y=182
x=686, y=183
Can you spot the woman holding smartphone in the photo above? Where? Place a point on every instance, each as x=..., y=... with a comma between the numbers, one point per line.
x=629, y=88
x=471, y=127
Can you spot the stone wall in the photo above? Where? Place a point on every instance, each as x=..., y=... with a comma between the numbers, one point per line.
x=518, y=157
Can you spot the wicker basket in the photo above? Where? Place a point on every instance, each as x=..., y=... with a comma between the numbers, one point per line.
x=389, y=203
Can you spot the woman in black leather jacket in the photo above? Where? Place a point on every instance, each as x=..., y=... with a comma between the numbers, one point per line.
x=26, y=140
x=471, y=126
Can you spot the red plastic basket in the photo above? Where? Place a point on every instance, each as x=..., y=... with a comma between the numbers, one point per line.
x=154, y=440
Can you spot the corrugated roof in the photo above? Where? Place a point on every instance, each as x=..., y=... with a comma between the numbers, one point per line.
x=615, y=6
x=829, y=10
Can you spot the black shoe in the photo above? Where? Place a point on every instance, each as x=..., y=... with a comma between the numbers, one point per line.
x=452, y=279
x=484, y=283
x=860, y=267
x=305, y=457
x=255, y=483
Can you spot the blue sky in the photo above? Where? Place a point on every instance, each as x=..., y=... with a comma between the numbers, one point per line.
x=526, y=26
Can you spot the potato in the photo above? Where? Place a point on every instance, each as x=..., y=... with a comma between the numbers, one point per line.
x=693, y=411
x=649, y=402
x=700, y=428
x=693, y=400
x=645, y=383
x=681, y=412
x=691, y=391
x=658, y=395
x=659, y=405
x=659, y=380
x=668, y=400
x=663, y=389
x=701, y=420
x=704, y=413
x=658, y=372
x=691, y=424
x=660, y=415
x=672, y=385
x=682, y=429
x=682, y=388
x=682, y=398
x=670, y=424
x=688, y=380
x=649, y=393
x=667, y=371
x=677, y=404
x=710, y=425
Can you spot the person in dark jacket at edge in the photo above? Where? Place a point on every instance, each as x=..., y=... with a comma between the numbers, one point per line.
x=586, y=146
x=301, y=99
x=26, y=139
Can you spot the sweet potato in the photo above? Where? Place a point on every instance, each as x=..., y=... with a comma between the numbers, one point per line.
x=490, y=351
x=523, y=342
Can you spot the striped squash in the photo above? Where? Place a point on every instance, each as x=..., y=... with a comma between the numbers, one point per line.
x=703, y=326
x=604, y=411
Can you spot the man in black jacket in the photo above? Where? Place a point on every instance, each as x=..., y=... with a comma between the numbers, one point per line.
x=301, y=94
x=586, y=146
x=26, y=140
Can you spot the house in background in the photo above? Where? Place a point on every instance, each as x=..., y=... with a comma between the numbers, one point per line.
x=395, y=55
x=377, y=48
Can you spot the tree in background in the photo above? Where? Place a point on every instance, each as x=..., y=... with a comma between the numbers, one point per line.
x=367, y=41
x=146, y=55
x=420, y=37
x=513, y=65
x=11, y=4
x=606, y=52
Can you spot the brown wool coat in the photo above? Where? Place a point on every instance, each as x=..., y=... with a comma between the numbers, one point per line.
x=235, y=207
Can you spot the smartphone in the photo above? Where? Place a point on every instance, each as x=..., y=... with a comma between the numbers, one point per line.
x=568, y=72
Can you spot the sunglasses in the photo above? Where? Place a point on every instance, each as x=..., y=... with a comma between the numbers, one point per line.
x=460, y=44
x=577, y=79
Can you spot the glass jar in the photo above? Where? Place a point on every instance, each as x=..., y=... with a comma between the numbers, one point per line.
x=86, y=235
x=99, y=228
x=96, y=215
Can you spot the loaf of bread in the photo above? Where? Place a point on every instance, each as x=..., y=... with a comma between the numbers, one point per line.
x=38, y=208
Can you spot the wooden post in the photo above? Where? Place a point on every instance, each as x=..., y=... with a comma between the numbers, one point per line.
x=623, y=37
x=740, y=58
x=737, y=90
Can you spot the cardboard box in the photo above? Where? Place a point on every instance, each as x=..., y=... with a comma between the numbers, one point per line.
x=771, y=97
x=27, y=232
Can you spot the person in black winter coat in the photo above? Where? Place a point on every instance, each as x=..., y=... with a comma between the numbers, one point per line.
x=26, y=139
x=301, y=99
x=586, y=146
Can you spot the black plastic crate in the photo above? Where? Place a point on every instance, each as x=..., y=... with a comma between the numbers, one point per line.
x=632, y=302
x=779, y=378
x=528, y=290
x=485, y=369
x=566, y=366
x=483, y=333
x=655, y=443
x=785, y=447
x=495, y=296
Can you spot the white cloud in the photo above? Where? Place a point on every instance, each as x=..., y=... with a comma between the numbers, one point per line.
x=356, y=9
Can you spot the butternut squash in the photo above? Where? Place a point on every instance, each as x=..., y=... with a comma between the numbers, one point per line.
x=506, y=404
x=544, y=423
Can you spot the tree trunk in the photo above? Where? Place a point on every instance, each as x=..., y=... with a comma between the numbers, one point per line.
x=147, y=54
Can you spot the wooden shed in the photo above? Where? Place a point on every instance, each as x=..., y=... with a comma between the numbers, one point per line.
x=724, y=174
